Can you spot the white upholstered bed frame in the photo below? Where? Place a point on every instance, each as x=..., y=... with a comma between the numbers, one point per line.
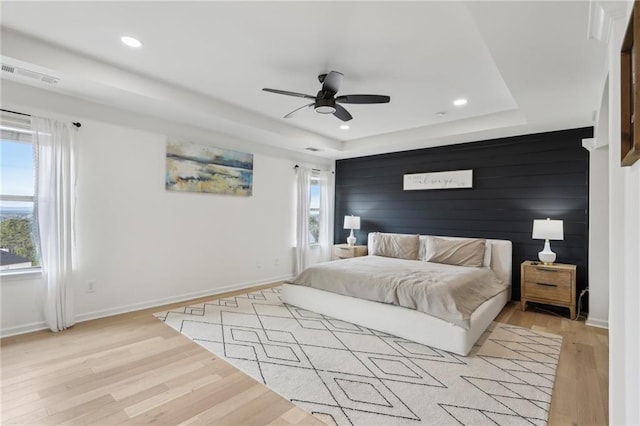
x=408, y=323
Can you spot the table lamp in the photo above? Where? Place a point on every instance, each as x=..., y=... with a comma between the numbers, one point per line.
x=547, y=229
x=351, y=222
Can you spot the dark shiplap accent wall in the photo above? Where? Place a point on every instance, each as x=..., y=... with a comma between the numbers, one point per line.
x=515, y=180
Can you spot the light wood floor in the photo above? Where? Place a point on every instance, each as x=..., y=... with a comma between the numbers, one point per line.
x=133, y=369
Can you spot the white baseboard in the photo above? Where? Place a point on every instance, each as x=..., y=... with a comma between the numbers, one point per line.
x=173, y=299
x=595, y=322
x=87, y=316
x=22, y=329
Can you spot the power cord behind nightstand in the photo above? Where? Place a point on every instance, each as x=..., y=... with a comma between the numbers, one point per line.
x=582, y=293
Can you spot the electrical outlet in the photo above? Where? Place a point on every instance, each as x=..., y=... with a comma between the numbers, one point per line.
x=91, y=286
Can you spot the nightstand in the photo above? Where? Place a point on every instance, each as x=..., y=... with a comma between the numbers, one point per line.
x=550, y=284
x=345, y=251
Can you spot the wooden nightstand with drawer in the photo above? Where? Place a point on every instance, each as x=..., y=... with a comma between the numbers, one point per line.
x=549, y=284
x=345, y=251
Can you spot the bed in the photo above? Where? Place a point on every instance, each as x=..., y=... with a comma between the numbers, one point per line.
x=443, y=328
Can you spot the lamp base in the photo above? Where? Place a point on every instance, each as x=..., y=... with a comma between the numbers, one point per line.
x=546, y=256
x=351, y=239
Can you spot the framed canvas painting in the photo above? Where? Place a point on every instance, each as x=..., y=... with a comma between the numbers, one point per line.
x=202, y=168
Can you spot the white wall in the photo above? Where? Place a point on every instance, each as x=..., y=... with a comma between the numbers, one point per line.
x=598, y=237
x=599, y=217
x=143, y=245
x=624, y=257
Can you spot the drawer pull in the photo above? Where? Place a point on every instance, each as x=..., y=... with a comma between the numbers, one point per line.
x=344, y=248
x=548, y=285
x=547, y=269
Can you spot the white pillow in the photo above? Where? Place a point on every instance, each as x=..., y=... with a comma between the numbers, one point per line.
x=462, y=252
x=399, y=246
x=422, y=249
x=424, y=252
x=486, y=262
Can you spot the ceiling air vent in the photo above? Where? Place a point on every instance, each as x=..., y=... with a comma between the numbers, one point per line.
x=29, y=74
x=49, y=79
x=312, y=149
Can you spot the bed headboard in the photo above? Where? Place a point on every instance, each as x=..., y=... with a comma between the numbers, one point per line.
x=500, y=254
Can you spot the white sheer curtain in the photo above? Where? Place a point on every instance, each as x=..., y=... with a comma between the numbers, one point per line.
x=303, y=183
x=326, y=217
x=54, y=209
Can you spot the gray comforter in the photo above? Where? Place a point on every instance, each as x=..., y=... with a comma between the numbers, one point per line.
x=448, y=292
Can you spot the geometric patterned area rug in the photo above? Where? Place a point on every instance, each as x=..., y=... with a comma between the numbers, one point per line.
x=346, y=374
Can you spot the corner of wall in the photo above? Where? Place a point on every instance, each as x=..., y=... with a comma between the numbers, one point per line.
x=597, y=322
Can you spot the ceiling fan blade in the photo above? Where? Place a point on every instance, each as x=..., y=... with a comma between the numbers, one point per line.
x=332, y=82
x=363, y=99
x=342, y=113
x=295, y=111
x=284, y=92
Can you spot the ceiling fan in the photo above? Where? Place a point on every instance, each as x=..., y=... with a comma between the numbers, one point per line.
x=326, y=101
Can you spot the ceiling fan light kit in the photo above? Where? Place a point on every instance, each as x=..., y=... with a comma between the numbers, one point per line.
x=325, y=106
x=326, y=102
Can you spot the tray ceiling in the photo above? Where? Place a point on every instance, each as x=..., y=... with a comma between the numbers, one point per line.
x=523, y=66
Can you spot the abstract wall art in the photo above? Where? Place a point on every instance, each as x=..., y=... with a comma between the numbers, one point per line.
x=202, y=168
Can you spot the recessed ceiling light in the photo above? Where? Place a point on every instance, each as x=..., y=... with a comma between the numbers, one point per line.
x=460, y=102
x=130, y=41
x=344, y=127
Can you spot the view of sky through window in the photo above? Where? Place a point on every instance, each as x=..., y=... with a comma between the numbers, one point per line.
x=16, y=170
x=314, y=199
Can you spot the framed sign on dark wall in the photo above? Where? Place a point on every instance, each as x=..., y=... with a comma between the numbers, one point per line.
x=630, y=126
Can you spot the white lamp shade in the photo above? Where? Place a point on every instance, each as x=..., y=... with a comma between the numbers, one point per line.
x=547, y=229
x=352, y=222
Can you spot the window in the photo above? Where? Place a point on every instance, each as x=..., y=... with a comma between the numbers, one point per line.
x=314, y=211
x=17, y=247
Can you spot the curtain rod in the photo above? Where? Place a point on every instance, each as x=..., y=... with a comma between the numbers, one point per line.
x=315, y=170
x=75, y=123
